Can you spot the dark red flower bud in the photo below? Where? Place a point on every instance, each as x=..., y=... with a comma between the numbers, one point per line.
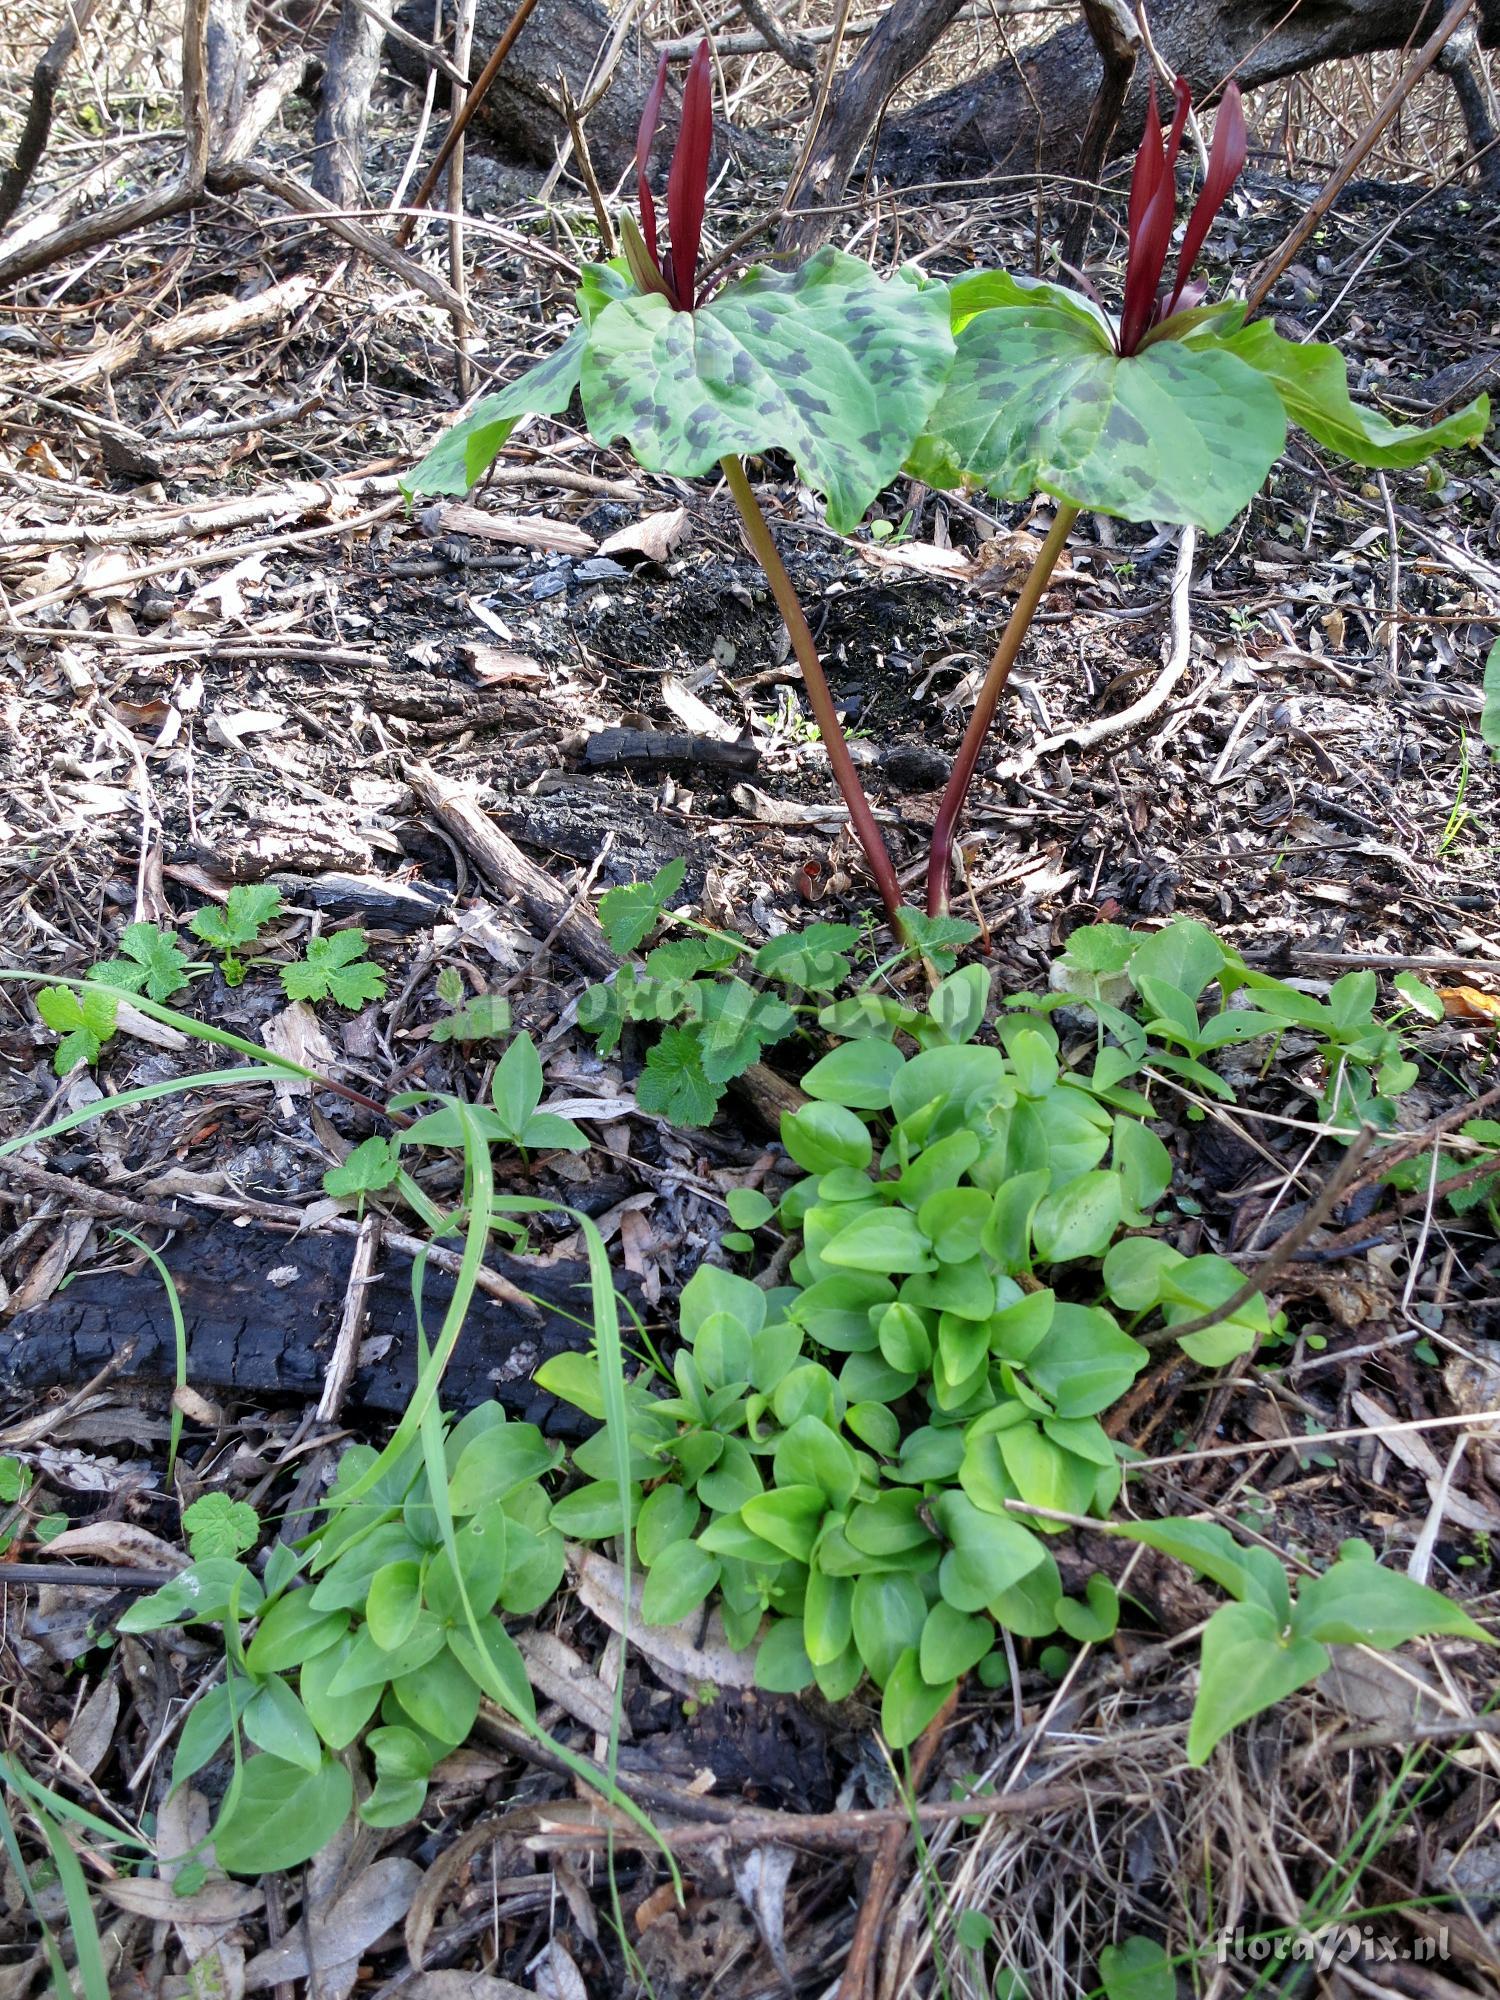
x=1225, y=161
x=1153, y=204
x=645, y=138
x=687, y=182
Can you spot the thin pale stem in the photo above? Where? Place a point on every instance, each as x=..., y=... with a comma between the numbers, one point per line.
x=758, y=529
x=1004, y=658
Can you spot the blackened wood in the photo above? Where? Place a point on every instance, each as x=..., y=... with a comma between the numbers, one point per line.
x=248, y=1336
x=611, y=747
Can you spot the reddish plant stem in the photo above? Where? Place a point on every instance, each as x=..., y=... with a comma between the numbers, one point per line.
x=1004, y=658
x=758, y=530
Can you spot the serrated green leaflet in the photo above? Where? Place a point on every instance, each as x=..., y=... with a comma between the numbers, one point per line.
x=828, y=363
x=1036, y=398
x=1312, y=381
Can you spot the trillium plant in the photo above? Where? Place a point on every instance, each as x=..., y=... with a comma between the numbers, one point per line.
x=1172, y=413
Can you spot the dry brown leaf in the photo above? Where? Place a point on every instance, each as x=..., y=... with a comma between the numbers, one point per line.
x=761, y=1878
x=693, y=712
x=215, y=1905
x=688, y=1655
x=229, y=728
x=53, y=1265
x=564, y=1676
x=660, y=1903
x=297, y=1033
x=118, y=1542
x=444, y=1873
x=554, y=1974
x=129, y=1020
x=463, y=1986
x=92, y=1729
x=923, y=557
x=654, y=536
x=330, y=1939
x=1467, y=1003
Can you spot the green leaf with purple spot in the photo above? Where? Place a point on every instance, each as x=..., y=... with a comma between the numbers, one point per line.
x=1312, y=381
x=466, y=451
x=1037, y=398
x=829, y=363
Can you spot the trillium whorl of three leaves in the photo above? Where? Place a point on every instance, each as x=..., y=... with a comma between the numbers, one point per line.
x=1040, y=400
x=1176, y=413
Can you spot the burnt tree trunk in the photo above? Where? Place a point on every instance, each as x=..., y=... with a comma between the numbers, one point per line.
x=348, y=78
x=1038, y=108
x=907, y=32
x=519, y=118
x=1460, y=63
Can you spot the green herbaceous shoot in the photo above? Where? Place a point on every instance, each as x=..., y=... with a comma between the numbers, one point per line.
x=1174, y=412
x=867, y=1468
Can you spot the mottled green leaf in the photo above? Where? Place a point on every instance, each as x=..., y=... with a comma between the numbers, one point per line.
x=465, y=452
x=1037, y=398
x=829, y=363
x=1312, y=381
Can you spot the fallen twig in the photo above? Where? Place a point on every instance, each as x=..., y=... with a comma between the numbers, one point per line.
x=1284, y=1249
x=894, y=1830
x=1089, y=734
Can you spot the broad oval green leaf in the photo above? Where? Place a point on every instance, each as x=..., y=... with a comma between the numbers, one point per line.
x=910, y=1701
x=879, y=1240
x=1085, y=1363
x=1080, y=1219
x=282, y=1815
x=1177, y=432
x=822, y=1136
x=857, y=1074
x=441, y=1698
x=678, y=1584
x=830, y=363
x=276, y=1721
x=888, y=1613
x=1360, y=1603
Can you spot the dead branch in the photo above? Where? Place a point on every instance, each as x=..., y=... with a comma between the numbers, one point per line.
x=189, y=329
x=510, y=872
x=1150, y=703
x=86, y=232
x=471, y=104
x=242, y=173
x=1266, y=277
x=1117, y=37
x=37, y=129
x=293, y=502
x=793, y=51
